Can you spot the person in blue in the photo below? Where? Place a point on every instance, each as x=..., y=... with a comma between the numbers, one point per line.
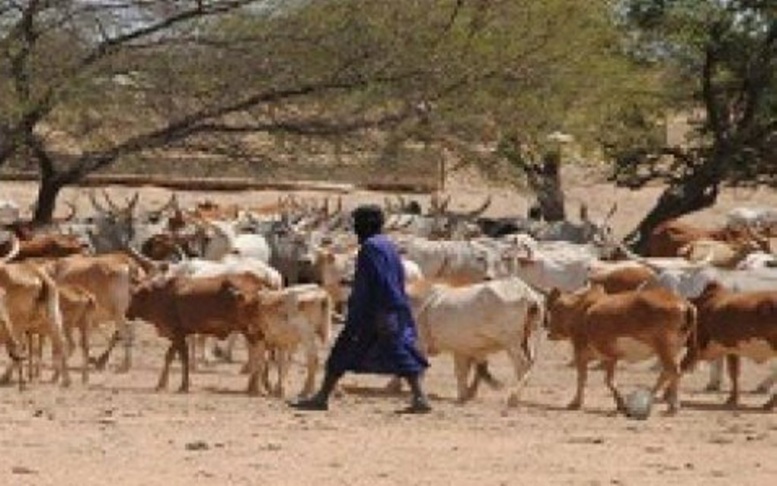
x=379, y=336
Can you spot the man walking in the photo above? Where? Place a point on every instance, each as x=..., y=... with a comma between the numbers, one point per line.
x=379, y=336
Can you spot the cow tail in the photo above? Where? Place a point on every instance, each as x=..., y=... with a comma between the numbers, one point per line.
x=49, y=295
x=691, y=327
x=535, y=315
x=325, y=324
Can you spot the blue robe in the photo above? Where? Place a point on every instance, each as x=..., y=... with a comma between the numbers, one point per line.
x=379, y=335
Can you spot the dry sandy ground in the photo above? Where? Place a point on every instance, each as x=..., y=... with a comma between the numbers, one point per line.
x=118, y=431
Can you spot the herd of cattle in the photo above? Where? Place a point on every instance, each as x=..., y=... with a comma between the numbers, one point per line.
x=278, y=275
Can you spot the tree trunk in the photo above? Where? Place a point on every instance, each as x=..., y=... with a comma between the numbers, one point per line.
x=693, y=194
x=50, y=185
x=545, y=181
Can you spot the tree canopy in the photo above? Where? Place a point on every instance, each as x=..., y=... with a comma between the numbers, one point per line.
x=720, y=59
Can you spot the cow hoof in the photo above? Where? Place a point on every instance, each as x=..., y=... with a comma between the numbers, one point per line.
x=514, y=400
x=574, y=405
x=761, y=390
x=712, y=387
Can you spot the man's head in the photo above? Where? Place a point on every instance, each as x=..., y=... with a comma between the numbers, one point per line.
x=367, y=221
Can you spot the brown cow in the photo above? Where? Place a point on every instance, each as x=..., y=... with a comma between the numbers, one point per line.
x=631, y=325
x=215, y=306
x=669, y=237
x=30, y=304
x=735, y=324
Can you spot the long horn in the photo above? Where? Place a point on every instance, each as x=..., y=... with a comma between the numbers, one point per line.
x=133, y=201
x=611, y=212
x=96, y=205
x=113, y=205
x=445, y=203
x=15, y=247
x=480, y=210
x=147, y=264
x=70, y=216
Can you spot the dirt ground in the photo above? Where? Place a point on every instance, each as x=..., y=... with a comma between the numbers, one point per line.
x=118, y=431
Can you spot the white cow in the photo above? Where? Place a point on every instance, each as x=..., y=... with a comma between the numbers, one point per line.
x=456, y=262
x=474, y=321
x=9, y=212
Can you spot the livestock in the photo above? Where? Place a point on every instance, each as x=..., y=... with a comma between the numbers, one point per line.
x=735, y=324
x=669, y=237
x=30, y=304
x=109, y=278
x=720, y=253
x=49, y=246
x=293, y=316
x=456, y=262
x=475, y=321
x=214, y=306
x=632, y=325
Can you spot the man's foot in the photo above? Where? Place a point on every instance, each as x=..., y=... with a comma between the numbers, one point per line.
x=417, y=407
x=309, y=405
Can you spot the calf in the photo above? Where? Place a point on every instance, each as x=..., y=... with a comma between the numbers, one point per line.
x=631, y=325
x=215, y=306
x=474, y=321
x=295, y=315
x=735, y=324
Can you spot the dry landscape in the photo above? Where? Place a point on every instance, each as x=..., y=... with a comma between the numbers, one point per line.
x=118, y=431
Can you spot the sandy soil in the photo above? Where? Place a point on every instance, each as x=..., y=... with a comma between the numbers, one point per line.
x=118, y=431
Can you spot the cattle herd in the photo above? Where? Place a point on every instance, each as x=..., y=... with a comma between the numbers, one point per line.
x=278, y=275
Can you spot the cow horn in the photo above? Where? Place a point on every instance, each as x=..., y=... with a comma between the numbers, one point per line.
x=133, y=201
x=445, y=203
x=14, y=251
x=611, y=212
x=110, y=202
x=71, y=215
x=480, y=210
x=147, y=264
x=638, y=258
x=584, y=213
x=96, y=205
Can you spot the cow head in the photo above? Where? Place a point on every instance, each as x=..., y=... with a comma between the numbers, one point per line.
x=564, y=310
x=115, y=225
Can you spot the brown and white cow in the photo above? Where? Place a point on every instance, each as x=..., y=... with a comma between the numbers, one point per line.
x=669, y=237
x=735, y=324
x=633, y=325
x=297, y=315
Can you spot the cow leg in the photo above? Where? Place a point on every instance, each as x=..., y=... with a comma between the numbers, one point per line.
x=581, y=364
x=85, y=330
x=191, y=344
x=256, y=364
x=101, y=361
x=715, y=382
x=733, y=361
x=60, y=355
x=609, y=381
x=394, y=385
x=169, y=356
x=127, y=330
x=311, y=358
x=183, y=349
x=771, y=404
x=670, y=376
x=522, y=364
x=767, y=382
x=461, y=366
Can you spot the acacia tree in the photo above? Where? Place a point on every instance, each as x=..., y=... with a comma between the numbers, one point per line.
x=87, y=84
x=720, y=58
